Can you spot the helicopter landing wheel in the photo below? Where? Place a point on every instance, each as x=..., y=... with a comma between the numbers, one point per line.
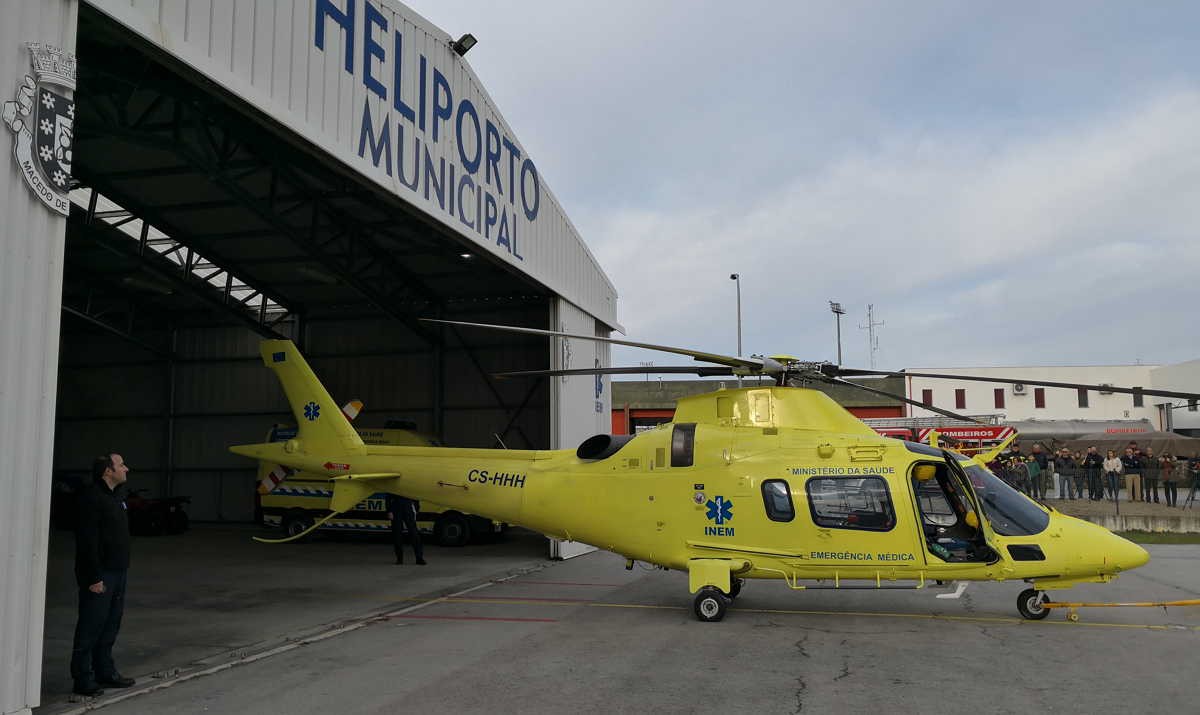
x=735, y=587
x=1031, y=604
x=710, y=604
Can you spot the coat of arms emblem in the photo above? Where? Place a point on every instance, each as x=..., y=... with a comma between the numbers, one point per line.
x=41, y=117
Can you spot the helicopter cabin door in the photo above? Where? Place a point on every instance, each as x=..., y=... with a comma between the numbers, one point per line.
x=952, y=524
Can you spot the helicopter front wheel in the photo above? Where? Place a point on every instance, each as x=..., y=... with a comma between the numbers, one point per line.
x=1031, y=604
x=710, y=604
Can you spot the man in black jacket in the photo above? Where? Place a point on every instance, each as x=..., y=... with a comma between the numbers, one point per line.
x=1092, y=463
x=101, y=564
x=403, y=512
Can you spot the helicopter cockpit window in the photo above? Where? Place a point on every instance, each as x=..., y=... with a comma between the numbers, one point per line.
x=1010, y=512
x=683, y=444
x=777, y=497
x=856, y=503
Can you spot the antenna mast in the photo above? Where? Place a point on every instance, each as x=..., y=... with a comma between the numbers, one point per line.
x=872, y=339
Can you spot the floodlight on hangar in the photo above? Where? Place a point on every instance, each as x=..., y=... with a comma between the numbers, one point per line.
x=463, y=44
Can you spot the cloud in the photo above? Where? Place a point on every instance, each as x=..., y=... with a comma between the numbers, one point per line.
x=1004, y=187
x=1064, y=247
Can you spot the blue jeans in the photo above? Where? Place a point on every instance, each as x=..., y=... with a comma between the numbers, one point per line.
x=1113, y=479
x=1066, y=486
x=96, y=630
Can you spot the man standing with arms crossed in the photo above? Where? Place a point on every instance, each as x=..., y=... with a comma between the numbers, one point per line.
x=101, y=565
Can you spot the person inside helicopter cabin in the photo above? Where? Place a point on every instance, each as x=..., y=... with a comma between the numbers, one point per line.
x=1064, y=467
x=1169, y=474
x=1131, y=465
x=1093, y=464
x=1149, y=476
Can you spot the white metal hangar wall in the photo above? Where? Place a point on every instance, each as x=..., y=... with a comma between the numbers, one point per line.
x=322, y=170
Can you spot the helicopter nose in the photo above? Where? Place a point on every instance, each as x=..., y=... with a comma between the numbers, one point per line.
x=1125, y=555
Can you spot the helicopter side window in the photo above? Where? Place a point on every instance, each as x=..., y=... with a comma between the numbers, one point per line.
x=857, y=503
x=777, y=498
x=683, y=444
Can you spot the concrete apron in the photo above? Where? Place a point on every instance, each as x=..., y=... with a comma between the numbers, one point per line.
x=211, y=599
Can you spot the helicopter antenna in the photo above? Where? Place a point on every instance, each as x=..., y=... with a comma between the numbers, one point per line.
x=872, y=339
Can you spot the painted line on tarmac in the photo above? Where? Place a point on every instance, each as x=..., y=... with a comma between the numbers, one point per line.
x=517, y=601
x=483, y=618
x=576, y=583
x=536, y=599
x=969, y=619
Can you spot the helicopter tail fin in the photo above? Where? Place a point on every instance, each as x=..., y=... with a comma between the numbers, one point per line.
x=323, y=427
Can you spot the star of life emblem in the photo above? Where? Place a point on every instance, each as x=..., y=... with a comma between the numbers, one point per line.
x=42, y=117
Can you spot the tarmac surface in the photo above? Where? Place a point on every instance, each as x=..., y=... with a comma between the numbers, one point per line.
x=586, y=635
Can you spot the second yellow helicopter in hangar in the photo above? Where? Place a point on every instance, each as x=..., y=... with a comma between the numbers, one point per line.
x=755, y=483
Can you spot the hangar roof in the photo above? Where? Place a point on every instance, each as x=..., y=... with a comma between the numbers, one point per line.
x=193, y=206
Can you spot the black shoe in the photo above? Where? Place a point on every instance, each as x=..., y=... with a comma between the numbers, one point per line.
x=91, y=690
x=420, y=562
x=117, y=681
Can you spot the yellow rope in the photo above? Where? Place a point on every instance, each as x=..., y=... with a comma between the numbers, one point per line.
x=1144, y=604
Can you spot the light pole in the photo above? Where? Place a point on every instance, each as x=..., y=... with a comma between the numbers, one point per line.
x=838, y=312
x=738, y=282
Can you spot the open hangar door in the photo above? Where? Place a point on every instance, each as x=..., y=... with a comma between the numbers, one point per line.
x=201, y=220
x=198, y=228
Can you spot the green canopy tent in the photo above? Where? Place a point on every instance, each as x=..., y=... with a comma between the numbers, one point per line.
x=1161, y=442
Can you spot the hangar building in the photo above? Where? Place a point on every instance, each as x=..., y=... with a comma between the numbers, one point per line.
x=188, y=177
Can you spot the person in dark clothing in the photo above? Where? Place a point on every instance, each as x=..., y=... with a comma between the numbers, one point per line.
x=101, y=565
x=1092, y=462
x=1064, y=467
x=1149, y=476
x=403, y=512
x=1131, y=465
x=1169, y=471
x=1044, y=470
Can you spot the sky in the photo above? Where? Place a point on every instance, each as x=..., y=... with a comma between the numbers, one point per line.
x=1006, y=183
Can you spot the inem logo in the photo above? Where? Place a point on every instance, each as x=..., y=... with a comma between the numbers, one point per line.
x=720, y=510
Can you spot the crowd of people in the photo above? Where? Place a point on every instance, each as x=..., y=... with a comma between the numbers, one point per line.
x=1090, y=475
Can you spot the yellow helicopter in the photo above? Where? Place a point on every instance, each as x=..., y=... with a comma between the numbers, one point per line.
x=768, y=482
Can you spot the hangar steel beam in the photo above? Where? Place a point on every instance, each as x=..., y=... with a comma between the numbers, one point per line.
x=97, y=322
x=357, y=261
x=179, y=272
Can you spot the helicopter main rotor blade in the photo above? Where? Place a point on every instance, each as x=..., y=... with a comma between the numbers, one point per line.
x=840, y=371
x=922, y=405
x=684, y=370
x=748, y=363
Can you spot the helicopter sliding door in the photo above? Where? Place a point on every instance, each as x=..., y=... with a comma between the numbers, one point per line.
x=859, y=528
